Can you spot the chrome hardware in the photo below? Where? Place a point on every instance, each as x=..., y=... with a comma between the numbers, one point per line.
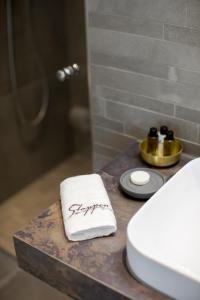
x=68, y=72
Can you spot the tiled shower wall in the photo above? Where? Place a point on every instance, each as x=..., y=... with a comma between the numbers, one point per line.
x=144, y=69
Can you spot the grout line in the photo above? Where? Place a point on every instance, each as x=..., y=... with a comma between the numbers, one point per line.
x=189, y=142
x=172, y=118
x=186, y=11
x=114, y=151
x=162, y=64
x=106, y=115
x=140, y=95
x=175, y=110
x=198, y=132
x=141, y=108
x=137, y=107
x=150, y=20
x=95, y=164
x=163, y=32
x=102, y=155
x=107, y=146
x=113, y=132
x=165, y=80
x=132, y=94
x=106, y=112
x=144, y=37
x=104, y=106
x=123, y=127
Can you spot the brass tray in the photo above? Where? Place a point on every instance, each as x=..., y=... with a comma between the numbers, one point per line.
x=158, y=159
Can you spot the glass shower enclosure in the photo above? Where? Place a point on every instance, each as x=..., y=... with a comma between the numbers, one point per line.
x=37, y=111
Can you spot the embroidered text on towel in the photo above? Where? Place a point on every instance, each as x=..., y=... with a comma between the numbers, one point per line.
x=76, y=209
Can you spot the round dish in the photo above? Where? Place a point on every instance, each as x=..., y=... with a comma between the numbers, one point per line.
x=161, y=160
x=141, y=191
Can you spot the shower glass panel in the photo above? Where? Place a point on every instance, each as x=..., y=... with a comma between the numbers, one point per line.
x=36, y=41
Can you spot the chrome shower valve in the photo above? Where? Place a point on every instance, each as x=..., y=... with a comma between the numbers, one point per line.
x=68, y=72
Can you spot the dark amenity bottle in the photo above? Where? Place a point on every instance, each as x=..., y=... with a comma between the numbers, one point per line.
x=152, y=141
x=169, y=143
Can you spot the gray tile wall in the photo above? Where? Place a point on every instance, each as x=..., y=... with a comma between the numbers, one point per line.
x=144, y=67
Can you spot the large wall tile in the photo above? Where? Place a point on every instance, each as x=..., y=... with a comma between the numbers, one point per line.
x=99, y=161
x=162, y=90
x=92, y=5
x=191, y=148
x=189, y=114
x=193, y=13
x=97, y=106
x=106, y=151
x=140, y=47
x=111, y=138
x=185, y=76
x=182, y=35
x=131, y=64
x=138, y=121
x=146, y=67
x=136, y=100
x=168, y=11
x=103, y=122
x=127, y=24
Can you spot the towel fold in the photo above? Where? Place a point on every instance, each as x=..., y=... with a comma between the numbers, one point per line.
x=86, y=208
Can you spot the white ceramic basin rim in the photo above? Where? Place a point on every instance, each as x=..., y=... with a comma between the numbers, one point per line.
x=163, y=238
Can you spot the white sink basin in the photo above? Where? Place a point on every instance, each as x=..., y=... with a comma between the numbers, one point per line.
x=163, y=244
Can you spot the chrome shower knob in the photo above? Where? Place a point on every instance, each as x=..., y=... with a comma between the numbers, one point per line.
x=68, y=72
x=60, y=74
x=76, y=68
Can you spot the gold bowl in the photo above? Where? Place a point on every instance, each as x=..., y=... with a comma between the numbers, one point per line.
x=158, y=159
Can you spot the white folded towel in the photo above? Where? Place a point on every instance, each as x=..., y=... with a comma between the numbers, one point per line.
x=86, y=208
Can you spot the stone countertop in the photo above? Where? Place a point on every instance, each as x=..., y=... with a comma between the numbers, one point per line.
x=93, y=269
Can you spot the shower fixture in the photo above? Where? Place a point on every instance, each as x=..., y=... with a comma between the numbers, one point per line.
x=68, y=72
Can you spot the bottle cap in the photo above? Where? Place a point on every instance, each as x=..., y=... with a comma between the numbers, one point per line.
x=153, y=132
x=163, y=129
x=170, y=135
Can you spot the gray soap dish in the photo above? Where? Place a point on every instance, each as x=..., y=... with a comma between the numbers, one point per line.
x=141, y=191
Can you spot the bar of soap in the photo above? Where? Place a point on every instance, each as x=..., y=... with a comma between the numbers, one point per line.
x=140, y=177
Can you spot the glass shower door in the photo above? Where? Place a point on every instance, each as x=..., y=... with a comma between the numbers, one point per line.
x=37, y=39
